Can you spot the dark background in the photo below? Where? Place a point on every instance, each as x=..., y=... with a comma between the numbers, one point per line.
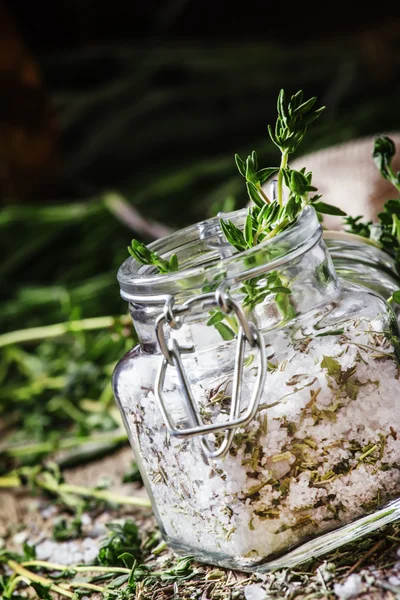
x=80, y=23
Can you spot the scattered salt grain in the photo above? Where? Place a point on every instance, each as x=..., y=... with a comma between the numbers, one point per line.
x=86, y=519
x=350, y=588
x=394, y=580
x=68, y=553
x=49, y=511
x=254, y=592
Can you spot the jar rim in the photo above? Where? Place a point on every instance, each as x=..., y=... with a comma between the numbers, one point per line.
x=141, y=283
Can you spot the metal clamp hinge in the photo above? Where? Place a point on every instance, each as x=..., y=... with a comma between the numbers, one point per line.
x=172, y=356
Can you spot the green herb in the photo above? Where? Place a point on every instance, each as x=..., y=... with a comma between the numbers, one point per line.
x=395, y=297
x=124, y=538
x=331, y=332
x=386, y=232
x=142, y=254
x=65, y=529
x=383, y=153
x=42, y=591
x=333, y=367
x=133, y=475
x=267, y=218
x=76, y=498
x=111, y=581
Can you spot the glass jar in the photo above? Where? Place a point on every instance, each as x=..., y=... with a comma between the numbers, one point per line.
x=262, y=399
x=359, y=261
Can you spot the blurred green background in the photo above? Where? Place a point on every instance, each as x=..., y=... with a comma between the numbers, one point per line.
x=115, y=112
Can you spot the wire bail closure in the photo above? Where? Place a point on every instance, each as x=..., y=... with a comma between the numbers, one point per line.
x=172, y=356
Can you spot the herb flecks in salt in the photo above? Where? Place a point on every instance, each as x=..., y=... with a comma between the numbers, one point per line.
x=312, y=459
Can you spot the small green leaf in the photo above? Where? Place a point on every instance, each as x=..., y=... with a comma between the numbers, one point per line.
x=264, y=174
x=265, y=212
x=225, y=332
x=248, y=360
x=216, y=317
x=233, y=234
x=383, y=152
x=132, y=475
x=396, y=296
x=281, y=105
x=118, y=581
x=298, y=183
x=328, y=209
x=314, y=116
x=128, y=559
x=331, y=332
x=286, y=176
x=250, y=170
x=392, y=207
x=333, y=367
x=254, y=194
x=352, y=388
x=241, y=165
x=248, y=230
x=306, y=106
x=42, y=591
x=173, y=263
x=29, y=551
x=273, y=136
x=254, y=159
x=280, y=289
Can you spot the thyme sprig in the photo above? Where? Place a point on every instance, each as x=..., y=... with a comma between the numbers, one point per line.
x=267, y=218
x=49, y=479
x=145, y=256
x=116, y=574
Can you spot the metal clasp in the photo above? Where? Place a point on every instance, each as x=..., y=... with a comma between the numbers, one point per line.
x=172, y=356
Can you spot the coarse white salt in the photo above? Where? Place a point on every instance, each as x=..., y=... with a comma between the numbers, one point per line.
x=321, y=451
x=350, y=588
x=254, y=592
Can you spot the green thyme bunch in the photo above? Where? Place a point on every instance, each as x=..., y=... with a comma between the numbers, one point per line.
x=143, y=255
x=266, y=218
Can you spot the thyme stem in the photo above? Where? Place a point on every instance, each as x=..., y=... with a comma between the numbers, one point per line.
x=10, y=481
x=20, y=570
x=13, y=480
x=36, y=334
x=283, y=165
x=84, y=585
x=79, y=569
x=263, y=194
x=66, y=444
x=66, y=488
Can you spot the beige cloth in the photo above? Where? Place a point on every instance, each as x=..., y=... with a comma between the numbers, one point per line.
x=347, y=177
